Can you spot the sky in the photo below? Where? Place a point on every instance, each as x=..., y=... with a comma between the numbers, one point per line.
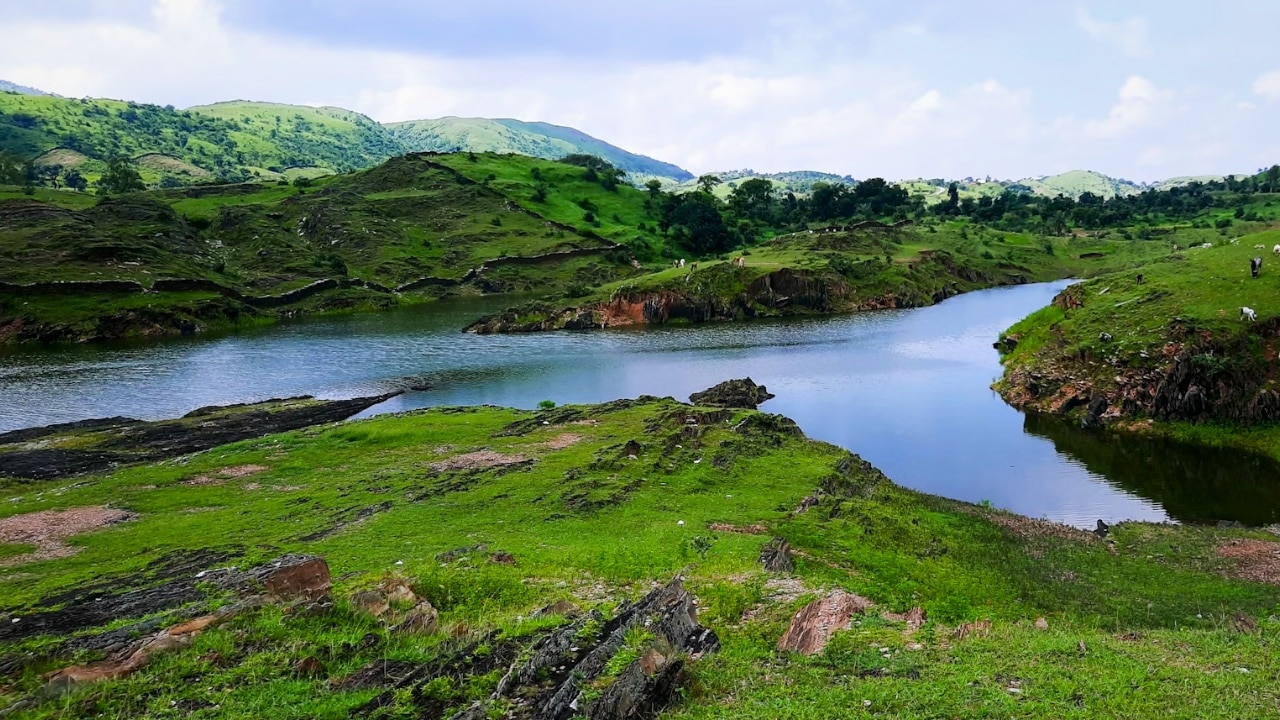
x=1140, y=89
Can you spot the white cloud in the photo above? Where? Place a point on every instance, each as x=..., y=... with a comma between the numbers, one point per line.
x=794, y=103
x=1129, y=35
x=1139, y=105
x=1268, y=85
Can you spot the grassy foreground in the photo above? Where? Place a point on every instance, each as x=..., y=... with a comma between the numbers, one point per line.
x=491, y=514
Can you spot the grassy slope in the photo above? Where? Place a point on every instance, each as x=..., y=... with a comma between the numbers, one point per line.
x=234, y=137
x=296, y=135
x=1196, y=293
x=1141, y=630
x=536, y=139
x=395, y=223
x=913, y=275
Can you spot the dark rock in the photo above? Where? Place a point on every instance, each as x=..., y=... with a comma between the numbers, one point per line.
x=559, y=666
x=1093, y=416
x=126, y=441
x=733, y=394
x=776, y=556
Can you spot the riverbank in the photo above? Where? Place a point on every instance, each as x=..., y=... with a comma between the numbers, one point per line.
x=1163, y=350
x=850, y=269
x=462, y=542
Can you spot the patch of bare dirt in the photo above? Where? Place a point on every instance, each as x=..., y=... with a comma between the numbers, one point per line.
x=1256, y=560
x=1033, y=529
x=478, y=460
x=240, y=471
x=225, y=474
x=738, y=529
x=48, y=530
x=563, y=441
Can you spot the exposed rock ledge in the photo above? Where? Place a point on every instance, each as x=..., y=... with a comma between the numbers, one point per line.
x=89, y=446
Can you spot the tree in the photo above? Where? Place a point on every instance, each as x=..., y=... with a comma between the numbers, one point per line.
x=707, y=182
x=654, y=187
x=1273, y=178
x=74, y=180
x=753, y=199
x=953, y=195
x=121, y=177
x=695, y=223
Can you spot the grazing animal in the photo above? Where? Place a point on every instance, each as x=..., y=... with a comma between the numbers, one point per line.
x=1139, y=278
x=693, y=267
x=1101, y=529
x=1206, y=246
x=1105, y=337
x=1255, y=267
x=1247, y=313
x=1276, y=250
x=739, y=261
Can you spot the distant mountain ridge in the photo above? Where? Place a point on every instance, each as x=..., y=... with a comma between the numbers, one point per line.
x=242, y=140
x=6, y=86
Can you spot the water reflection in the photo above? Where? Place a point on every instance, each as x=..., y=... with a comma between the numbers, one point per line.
x=1192, y=484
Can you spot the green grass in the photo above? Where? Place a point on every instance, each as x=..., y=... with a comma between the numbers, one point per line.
x=589, y=525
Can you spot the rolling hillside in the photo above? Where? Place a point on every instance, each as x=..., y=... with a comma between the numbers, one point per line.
x=536, y=139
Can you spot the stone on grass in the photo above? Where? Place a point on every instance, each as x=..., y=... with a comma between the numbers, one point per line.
x=812, y=627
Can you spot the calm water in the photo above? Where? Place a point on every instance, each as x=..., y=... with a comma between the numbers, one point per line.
x=908, y=390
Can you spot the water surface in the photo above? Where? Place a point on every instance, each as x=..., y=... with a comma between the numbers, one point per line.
x=908, y=390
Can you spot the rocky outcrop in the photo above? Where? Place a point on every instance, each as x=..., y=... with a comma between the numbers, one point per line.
x=1194, y=377
x=551, y=681
x=812, y=627
x=744, y=393
x=100, y=445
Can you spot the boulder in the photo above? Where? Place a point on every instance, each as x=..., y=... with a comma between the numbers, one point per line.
x=813, y=626
x=744, y=393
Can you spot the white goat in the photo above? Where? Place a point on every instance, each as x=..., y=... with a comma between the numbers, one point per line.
x=1247, y=313
x=1276, y=249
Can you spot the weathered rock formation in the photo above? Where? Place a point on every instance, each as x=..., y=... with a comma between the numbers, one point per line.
x=100, y=445
x=744, y=393
x=812, y=627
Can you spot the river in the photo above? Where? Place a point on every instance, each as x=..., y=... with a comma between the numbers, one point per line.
x=906, y=389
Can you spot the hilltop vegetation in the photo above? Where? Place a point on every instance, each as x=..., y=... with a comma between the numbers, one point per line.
x=463, y=542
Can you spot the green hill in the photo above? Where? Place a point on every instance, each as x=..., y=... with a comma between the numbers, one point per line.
x=410, y=229
x=536, y=139
x=276, y=136
x=240, y=140
x=234, y=142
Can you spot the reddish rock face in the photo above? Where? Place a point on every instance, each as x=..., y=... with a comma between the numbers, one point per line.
x=306, y=577
x=813, y=626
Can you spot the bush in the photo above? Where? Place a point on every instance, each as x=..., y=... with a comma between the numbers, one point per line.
x=546, y=404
